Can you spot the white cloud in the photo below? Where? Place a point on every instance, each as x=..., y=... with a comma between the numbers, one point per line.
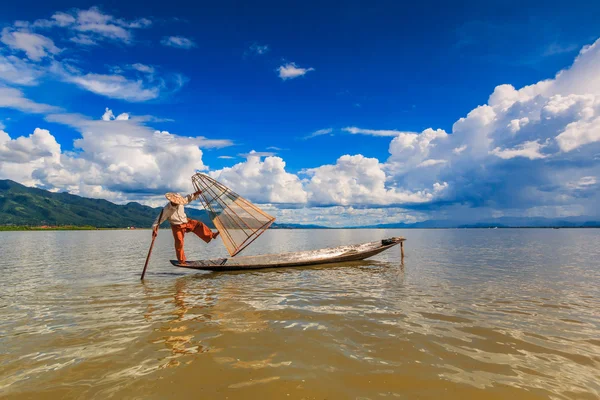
x=530, y=150
x=84, y=40
x=583, y=183
x=291, y=71
x=109, y=116
x=147, y=69
x=179, y=42
x=114, y=158
x=34, y=45
x=516, y=124
x=431, y=163
x=89, y=26
x=579, y=133
x=319, y=132
x=226, y=157
x=137, y=82
x=101, y=25
x=20, y=157
x=409, y=151
x=63, y=19
x=358, y=180
x=115, y=86
x=459, y=149
x=140, y=88
x=263, y=181
x=374, y=132
x=16, y=71
x=39, y=144
x=14, y=98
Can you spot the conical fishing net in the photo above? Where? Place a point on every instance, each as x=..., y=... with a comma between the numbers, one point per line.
x=239, y=221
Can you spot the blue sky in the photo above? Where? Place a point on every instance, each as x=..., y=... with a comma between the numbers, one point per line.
x=336, y=113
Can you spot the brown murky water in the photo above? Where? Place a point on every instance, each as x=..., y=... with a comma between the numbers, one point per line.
x=489, y=314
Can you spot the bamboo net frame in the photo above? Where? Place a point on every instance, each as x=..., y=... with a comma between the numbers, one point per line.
x=239, y=221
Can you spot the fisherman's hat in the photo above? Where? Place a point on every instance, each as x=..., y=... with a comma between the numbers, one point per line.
x=175, y=198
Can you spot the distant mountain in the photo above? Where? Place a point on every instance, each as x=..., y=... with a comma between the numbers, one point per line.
x=22, y=205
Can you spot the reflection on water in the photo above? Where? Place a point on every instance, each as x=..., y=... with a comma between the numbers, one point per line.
x=471, y=313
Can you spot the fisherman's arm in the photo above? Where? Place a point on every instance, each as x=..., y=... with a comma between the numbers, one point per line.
x=193, y=196
x=166, y=212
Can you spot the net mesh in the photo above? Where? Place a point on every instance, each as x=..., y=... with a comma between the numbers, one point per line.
x=239, y=221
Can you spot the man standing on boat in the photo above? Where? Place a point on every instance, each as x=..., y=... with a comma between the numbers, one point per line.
x=180, y=223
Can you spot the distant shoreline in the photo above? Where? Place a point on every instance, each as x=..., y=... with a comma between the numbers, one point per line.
x=60, y=228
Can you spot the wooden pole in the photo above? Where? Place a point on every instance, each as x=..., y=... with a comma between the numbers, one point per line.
x=151, y=245
x=402, y=249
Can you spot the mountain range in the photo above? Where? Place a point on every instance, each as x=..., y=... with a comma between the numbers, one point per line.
x=22, y=205
x=26, y=206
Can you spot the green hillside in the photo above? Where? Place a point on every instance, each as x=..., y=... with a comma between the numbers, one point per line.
x=22, y=205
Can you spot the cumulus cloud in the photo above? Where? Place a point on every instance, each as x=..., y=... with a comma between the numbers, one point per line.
x=118, y=158
x=21, y=150
x=109, y=116
x=20, y=157
x=579, y=133
x=291, y=71
x=179, y=42
x=263, y=181
x=359, y=180
x=513, y=152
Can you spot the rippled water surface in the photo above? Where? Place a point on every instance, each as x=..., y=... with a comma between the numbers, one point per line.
x=492, y=314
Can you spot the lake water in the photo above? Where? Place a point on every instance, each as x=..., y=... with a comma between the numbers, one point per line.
x=494, y=314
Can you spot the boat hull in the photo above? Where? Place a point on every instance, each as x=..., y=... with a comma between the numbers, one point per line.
x=297, y=259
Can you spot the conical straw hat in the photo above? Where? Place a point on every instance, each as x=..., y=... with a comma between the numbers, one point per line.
x=175, y=198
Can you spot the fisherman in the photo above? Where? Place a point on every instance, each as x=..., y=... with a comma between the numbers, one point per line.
x=180, y=223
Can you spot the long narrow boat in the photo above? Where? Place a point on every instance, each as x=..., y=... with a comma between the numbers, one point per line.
x=300, y=258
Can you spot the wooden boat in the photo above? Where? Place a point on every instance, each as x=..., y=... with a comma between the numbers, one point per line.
x=300, y=258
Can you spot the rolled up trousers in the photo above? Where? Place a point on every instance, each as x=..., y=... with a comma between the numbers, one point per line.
x=179, y=231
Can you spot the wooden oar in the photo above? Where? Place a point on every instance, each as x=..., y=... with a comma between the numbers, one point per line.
x=151, y=245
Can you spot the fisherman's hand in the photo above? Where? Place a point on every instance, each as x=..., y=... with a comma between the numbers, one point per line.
x=197, y=193
x=155, y=231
